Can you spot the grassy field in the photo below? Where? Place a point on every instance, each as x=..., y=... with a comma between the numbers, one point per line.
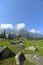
x=38, y=43
x=26, y=43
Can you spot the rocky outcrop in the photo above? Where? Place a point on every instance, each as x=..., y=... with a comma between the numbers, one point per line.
x=20, y=58
x=31, y=48
x=35, y=58
x=5, y=52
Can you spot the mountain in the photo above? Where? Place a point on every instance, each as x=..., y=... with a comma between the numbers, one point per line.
x=23, y=33
x=29, y=35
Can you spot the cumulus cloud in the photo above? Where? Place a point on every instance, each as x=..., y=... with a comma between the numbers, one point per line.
x=34, y=31
x=5, y=26
x=20, y=26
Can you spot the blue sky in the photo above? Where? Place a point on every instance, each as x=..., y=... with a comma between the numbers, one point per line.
x=22, y=12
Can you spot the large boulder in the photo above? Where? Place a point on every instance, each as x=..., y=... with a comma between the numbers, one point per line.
x=34, y=48
x=5, y=52
x=20, y=58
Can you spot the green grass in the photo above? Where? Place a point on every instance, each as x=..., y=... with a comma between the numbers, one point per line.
x=38, y=43
x=26, y=43
x=11, y=61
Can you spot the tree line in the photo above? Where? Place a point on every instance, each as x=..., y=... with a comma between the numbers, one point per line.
x=3, y=35
x=9, y=36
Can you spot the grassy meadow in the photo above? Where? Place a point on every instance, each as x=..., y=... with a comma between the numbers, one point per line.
x=26, y=43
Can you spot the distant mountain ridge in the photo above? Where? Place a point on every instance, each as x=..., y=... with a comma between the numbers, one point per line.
x=23, y=33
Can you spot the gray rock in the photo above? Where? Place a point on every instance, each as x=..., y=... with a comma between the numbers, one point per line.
x=20, y=58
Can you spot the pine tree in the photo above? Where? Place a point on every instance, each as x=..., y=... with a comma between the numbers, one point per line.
x=4, y=34
x=18, y=36
x=1, y=35
x=9, y=36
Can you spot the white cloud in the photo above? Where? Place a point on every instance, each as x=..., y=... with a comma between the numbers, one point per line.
x=34, y=31
x=20, y=26
x=5, y=26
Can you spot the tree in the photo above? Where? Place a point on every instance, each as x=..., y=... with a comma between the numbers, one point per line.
x=9, y=36
x=18, y=36
x=4, y=34
x=1, y=35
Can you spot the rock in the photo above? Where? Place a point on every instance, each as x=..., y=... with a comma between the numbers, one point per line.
x=20, y=58
x=35, y=58
x=31, y=48
x=21, y=43
x=13, y=43
x=4, y=52
x=19, y=46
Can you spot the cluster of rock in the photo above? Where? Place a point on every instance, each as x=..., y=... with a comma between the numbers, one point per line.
x=5, y=52
x=20, y=45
